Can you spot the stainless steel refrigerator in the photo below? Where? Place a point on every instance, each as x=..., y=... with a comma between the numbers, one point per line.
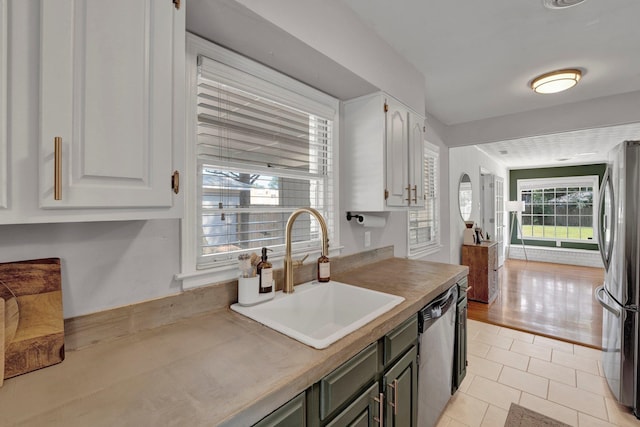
x=619, y=238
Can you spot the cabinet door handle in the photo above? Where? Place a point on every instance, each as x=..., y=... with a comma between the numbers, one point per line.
x=408, y=194
x=380, y=400
x=394, y=404
x=415, y=194
x=57, y=168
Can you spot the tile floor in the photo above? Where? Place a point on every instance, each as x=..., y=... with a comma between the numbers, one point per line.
x=555, y=378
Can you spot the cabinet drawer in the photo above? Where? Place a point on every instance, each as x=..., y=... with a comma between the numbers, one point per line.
x=340, y=385
x=291, y=414
x=401, y=338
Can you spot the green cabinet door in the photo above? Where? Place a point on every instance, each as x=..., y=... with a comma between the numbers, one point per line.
x=363, y=412
x=400, y=383
x=291, y=414
x=460, y=346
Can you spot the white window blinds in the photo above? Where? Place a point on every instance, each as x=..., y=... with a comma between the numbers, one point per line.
x=263, y=151
x=424, y=224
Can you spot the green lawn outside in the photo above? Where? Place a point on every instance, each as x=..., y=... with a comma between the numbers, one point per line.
x=552, y=232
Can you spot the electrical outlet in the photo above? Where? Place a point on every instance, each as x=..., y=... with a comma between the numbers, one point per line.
x=367, y=239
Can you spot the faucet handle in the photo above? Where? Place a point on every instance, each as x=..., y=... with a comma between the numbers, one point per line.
x=299, y=262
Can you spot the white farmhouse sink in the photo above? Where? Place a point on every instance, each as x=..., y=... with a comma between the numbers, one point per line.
x=319, y=314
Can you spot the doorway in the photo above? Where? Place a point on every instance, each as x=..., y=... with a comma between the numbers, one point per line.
x=492, y=212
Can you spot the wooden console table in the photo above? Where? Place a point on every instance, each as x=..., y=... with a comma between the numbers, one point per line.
x=482, y=261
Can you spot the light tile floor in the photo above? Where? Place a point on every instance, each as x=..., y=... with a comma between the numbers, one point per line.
x=561, y=380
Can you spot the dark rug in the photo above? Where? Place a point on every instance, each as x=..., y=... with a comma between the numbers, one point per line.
x=522, y=417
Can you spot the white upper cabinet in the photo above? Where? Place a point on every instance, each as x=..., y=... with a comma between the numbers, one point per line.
x=416, y=159
x=383, y=150
x=110, y=79
x=4, y=186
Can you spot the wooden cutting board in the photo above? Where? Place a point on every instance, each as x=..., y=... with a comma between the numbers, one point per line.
x=39, y=337
x=1, y=341
x=11, y=313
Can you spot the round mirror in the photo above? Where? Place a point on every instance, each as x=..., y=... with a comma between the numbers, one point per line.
x=465, y=197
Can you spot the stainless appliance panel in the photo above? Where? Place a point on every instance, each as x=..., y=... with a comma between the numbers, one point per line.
x=620, y=294
x=435, y=360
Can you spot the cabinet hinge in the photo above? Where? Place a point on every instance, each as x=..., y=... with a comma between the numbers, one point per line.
x=386, y=194
x=386, y=107
x=176, y=3
x=424, y=128
x=175, y=182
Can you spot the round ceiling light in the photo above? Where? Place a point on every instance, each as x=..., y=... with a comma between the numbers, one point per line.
x=560, y=4
x=556, y=81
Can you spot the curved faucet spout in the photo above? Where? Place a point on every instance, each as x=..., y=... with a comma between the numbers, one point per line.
x=288, y=261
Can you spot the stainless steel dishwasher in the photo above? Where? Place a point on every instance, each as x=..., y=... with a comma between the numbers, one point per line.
x=436, y=329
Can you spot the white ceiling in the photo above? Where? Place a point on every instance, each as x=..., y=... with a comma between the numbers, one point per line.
x=478, y=58
x=569, y=148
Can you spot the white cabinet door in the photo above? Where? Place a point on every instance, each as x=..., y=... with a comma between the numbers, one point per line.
x=107, y=92
x=4, y=184
x=416, y=160
x=397, y=129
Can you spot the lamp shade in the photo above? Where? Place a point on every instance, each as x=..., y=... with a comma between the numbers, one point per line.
x=514, y=206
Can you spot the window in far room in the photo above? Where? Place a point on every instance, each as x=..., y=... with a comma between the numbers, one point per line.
x=424, y=224
x=560, y=209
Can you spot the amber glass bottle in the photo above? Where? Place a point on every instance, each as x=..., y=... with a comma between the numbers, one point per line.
x=265, y=274
x=324, y=269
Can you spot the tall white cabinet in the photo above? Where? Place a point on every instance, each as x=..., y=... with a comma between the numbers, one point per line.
x=107, y=92
x=96, y=106
x=383, y=155
x=4, y=33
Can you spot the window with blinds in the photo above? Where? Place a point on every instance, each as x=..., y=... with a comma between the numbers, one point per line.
x=261, y=154
x=424, y=224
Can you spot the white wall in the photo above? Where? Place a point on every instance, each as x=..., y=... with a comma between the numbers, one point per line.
x=468, y=160
x=333, y=29
x=594, y=113
x=104, y=264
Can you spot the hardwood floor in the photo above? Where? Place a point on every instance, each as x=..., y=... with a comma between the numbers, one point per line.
x=553, y=300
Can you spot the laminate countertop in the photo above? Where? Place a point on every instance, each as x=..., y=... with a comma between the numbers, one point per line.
x=215, y=369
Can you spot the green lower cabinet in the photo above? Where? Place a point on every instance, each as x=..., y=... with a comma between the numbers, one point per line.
x=400, y=383
x=291, y=414
x=363, y=412
x=460, y=345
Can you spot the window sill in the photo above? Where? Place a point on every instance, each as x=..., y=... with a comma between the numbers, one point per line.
x=210, y=276
x=425, y=252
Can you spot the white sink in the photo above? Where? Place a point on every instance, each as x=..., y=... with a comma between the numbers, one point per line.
x=319, y=314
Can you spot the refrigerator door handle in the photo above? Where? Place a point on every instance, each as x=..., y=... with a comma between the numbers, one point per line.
x=605, y=252
x=599, y=291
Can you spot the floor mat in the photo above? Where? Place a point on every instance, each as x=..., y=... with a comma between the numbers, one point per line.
x=522, y=417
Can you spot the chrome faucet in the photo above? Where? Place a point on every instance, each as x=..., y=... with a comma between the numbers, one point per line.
x=288, y=261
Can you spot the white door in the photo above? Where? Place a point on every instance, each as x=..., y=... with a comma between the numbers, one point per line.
x=106, y=92
x=397, y=154
x=499, y=216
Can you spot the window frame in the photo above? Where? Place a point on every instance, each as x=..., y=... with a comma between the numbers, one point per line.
x=190, y=275
x=558, y=182
x=422, y=250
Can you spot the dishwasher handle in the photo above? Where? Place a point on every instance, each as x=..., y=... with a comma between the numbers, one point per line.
x=437, y=308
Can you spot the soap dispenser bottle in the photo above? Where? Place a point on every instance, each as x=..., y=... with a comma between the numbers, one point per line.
x=265, y=274
x=324, y=269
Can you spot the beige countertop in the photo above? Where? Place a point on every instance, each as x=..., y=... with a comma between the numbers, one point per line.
x=215, y=369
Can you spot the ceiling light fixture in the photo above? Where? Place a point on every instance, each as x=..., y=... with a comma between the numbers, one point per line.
x=556, y=81
x=560, y=4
